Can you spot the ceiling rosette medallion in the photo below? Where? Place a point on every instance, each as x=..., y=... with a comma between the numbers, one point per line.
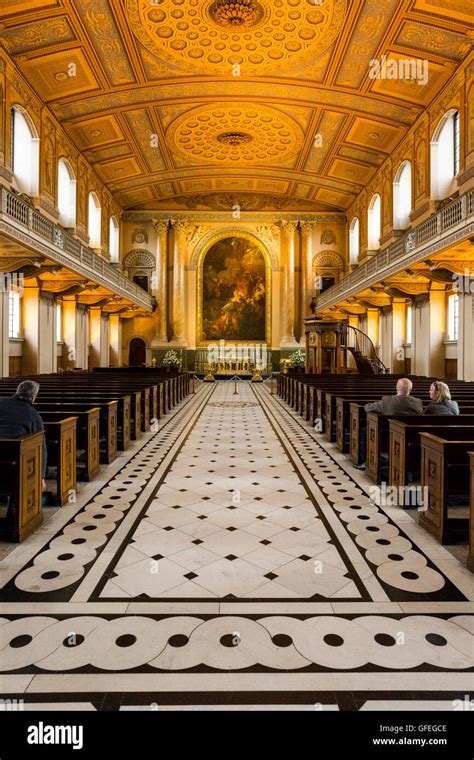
x=235, y=134
x=262, y=36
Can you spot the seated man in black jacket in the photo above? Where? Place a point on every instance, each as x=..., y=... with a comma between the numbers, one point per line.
x=19, y=418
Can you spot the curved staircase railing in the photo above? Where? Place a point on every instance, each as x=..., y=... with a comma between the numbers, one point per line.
x=363, y=350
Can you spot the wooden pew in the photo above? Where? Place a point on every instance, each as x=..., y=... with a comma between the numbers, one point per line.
x=61, y=445
x=21, y=478
x=470, y=556
x=445, y=472
x=107, y=422
x=87, y=438
x=405, y=443
x=378, y=439
x=115, y=412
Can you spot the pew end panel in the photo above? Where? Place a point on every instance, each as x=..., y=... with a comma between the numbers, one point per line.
x=444, y=473
x=21, y=463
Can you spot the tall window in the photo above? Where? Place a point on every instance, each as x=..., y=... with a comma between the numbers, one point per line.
x=24, y=151
x=13, y=314
x=354, y=242
x=114, y=239
x=409, y=325
x=445, y=153
x=66, y=194
x=374, y=223
x=453, y=316
x=456, y=142
x=59, y=322
x=94, y=221
x=402, y=201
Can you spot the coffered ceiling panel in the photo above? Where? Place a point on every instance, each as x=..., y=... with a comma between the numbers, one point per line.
x=126, y=167
x=177, y=102
x=372, y=134
x=55, y=74
x=99, y=131
x=350, y=171
x=420, y=75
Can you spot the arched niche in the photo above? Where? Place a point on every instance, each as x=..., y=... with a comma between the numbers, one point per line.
x=328, y=267
x=140, y=266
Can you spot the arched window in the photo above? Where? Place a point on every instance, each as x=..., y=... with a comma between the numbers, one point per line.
x=354, y=242
x=24, y=151
x=409, y=325
x=402, y=199
x=114, y=239
x=94, y=221
x=59, y=322
x=66, y=194
x=453, y=317
x=14, y=324
x=445, y=156
x=373, y=217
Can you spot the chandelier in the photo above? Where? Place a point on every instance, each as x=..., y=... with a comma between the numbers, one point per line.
x=234, y=138
x=241, y=13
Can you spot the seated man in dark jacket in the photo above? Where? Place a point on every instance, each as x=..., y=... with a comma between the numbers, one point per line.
x=18, y=416
x=402, y=403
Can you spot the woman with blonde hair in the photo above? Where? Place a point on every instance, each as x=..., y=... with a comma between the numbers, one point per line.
x=441, y=402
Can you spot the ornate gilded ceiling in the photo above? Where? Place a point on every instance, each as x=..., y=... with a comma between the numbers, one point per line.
x=197, y=38
x=172, y=100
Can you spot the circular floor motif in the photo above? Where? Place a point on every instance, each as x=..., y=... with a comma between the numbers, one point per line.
x=279, y=36
x=197, y=134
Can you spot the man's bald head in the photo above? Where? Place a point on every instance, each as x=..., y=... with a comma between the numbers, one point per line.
x=404, y=386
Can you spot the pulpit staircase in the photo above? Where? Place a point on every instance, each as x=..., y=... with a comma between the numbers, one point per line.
x=363, y=350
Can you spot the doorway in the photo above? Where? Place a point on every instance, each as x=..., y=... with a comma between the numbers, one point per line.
x=137, y=353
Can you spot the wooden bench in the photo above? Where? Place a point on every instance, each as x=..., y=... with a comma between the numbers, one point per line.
x=378, y=438
x=470, y=556
x=405, y=443
x=61, y=444
x=87, y=438
x=107, y=422
x=21, y=462
x=445, y=472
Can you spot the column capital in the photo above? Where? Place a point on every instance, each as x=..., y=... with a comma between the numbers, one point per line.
x=287, y=225
x=181, y=225
x=160, y=225
x=307, y=228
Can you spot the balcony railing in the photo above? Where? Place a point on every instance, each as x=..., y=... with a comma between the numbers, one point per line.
x=460, y=210
x=38, y=225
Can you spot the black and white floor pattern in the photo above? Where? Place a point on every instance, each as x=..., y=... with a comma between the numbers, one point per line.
x=233, y=560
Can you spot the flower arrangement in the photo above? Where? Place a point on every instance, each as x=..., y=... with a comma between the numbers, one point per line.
x=171, y=359
x=298, y=358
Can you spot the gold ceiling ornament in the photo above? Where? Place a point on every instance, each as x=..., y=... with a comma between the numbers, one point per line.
x=212, y=36
x=234, y=138
x=236, y=14
x=235, y=134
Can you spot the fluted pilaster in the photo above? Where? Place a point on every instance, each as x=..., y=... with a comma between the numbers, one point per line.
x=180, y=227
x=307, y=277
x=160, y=290
x=287, y=242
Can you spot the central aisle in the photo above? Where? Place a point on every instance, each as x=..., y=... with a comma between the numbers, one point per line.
x=232, y=518
x=232, y=559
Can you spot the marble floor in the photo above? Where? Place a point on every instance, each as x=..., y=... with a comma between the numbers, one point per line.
x=233, y=558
